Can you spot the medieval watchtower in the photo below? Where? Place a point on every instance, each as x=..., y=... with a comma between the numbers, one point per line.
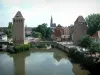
x=18, y=28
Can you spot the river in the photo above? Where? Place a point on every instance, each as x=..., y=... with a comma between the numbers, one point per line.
x=39, y=62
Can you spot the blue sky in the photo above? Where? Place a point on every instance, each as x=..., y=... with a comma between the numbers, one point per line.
x=36, y=12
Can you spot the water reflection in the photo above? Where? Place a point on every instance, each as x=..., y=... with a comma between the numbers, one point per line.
x=78, y=71
x=19, y=63
x=46, y=64
x=6, y=64
x=38, y=63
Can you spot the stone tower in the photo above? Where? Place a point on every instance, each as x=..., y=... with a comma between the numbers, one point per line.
x=18, y=28
x=80, y=29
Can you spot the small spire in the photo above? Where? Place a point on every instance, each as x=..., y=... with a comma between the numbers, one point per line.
x=51, y=21
x=51, y=16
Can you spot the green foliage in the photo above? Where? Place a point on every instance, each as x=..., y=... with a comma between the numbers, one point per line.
x=93, y=22
x=27, y=35
x=48, y=32
x=36, y=34
x=76, y=55
x=86, y=42
x=95, y=47
x=9, y=30
x=10, y=25
x=84, y=60
x=21, y=48
x=9, y=33
x=80, y=57
x=26, y=46
x=42, y=31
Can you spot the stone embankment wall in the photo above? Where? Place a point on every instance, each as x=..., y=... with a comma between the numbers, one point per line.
x=54, y=44
x=61, y=46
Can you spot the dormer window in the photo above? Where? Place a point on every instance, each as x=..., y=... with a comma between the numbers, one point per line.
x=80, y=22
x=17, y=16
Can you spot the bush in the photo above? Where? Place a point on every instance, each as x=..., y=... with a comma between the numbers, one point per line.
x=85, y=61
x=76, y=55
x=95, y=47
x=86, y=42
x=26, y=46
x=21, y=48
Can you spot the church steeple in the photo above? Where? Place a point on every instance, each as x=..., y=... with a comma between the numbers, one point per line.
x=52, y=25
x=51, y=21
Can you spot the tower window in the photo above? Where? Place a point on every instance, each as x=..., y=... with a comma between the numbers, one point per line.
x=80, y=22
x=21, y=20
x=17, y=16
x=14, y=20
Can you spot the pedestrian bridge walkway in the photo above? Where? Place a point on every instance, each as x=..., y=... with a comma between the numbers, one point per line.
x=4, y=42
x=43, y=42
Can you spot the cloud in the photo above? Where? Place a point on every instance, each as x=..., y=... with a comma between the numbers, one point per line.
x=21, y=2
x=36, y=12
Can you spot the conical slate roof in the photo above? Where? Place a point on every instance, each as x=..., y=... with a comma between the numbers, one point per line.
x=18, y=15
x=80, y=19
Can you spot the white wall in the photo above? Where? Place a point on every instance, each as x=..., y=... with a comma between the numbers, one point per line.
x=4, y=37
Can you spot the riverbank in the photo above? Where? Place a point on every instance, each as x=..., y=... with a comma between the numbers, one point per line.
x=81, y=57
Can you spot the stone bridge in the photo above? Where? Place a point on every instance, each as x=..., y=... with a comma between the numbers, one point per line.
x=54, y=44
x=43, y=42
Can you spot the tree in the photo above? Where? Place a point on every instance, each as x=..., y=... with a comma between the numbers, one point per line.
x=43, y=31
x=95, y=47
x=8, y=31
x=93, y=22
x=48, y=32
x=86, y=42
x=10, y=25
x=36, y=34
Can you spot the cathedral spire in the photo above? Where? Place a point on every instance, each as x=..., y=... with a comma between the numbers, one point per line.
x=51, y=21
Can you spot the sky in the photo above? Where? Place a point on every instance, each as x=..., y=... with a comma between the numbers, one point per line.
x=36, y=12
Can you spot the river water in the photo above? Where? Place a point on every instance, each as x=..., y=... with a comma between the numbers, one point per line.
x=39, y=62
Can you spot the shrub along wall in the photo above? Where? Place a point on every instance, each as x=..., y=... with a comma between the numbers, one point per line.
x=91, y=44
x=22, y=48
x=86, y=61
